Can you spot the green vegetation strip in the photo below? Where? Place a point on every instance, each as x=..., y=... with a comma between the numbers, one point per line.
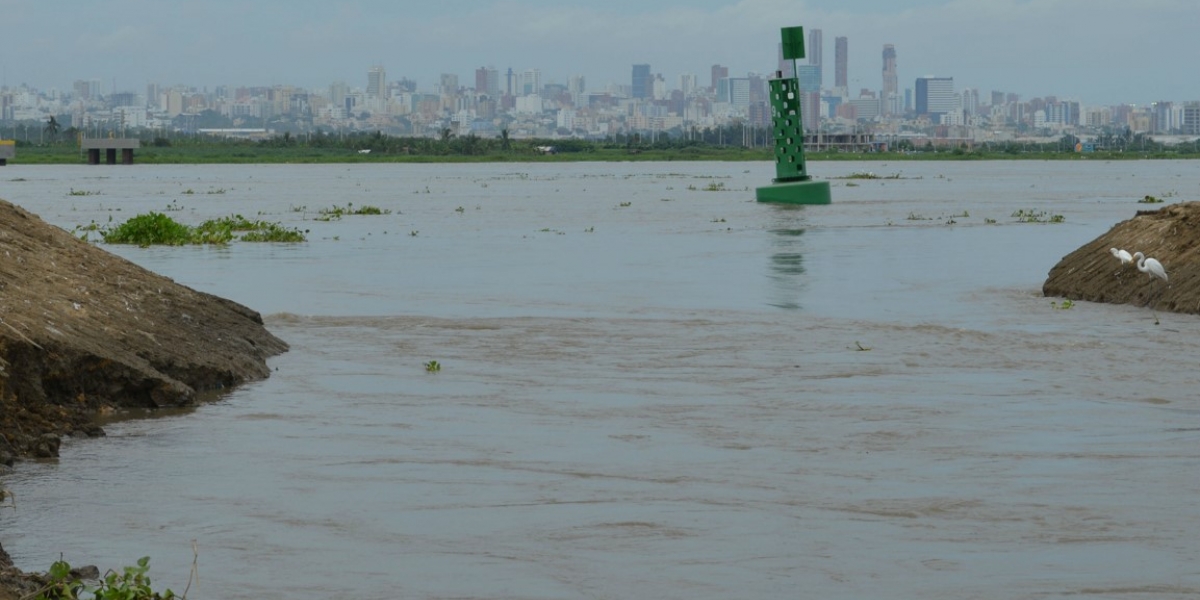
x=704, y=145
x=157, y=229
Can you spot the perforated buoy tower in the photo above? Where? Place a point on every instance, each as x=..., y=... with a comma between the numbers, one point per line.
x=792, y=184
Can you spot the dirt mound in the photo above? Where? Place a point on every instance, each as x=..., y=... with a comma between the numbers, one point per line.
x=83, y=331
x=1170, y=234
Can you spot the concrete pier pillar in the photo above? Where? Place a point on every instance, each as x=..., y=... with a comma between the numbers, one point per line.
x=109, y=147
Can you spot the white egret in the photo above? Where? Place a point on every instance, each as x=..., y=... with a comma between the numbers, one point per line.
x=1151, y=266
x=1122, y=254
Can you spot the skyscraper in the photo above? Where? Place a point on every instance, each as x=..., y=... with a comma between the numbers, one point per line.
x=841, y=49
x=784, y=64
x=376, y=82
x=970, y=101
x=687, y=83
x=448, y=84
x=643, y=82
x=736, y=91
x=576, y=87
x=530, y=83
x=935, y=96
x=815, y=46
x=718, y=73
x=338, y=92
x=487, y=81
x=1191, y=118
x=891, y=86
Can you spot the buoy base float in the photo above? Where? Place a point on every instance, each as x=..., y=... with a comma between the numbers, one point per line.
x=795, y=192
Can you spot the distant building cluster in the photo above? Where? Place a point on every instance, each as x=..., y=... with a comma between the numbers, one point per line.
x=525, y=104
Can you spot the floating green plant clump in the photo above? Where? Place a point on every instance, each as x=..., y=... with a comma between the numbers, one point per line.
x=236, y=226
x=1037, y=216
x=868, y=175
x=157, y=229
x=337, y=212
x=149, y=229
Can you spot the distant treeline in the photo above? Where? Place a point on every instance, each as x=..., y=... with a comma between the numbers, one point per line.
x=734, y=142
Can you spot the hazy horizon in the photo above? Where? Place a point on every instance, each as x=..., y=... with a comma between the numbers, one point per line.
x=1099, y=52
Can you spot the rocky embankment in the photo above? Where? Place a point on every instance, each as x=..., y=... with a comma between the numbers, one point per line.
x=84, y=332
x=1170, y=234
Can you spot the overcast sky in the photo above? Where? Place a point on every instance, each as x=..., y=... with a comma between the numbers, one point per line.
x=1094, y=51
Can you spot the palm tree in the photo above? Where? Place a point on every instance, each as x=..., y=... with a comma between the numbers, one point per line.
x=52, y=127
x=505, y=142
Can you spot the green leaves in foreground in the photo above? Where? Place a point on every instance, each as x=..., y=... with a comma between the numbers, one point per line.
x=157, y=229
x=131, y=584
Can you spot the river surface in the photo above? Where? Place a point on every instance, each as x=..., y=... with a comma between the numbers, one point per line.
x=651, y=387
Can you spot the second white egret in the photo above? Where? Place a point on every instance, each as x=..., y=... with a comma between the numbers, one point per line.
x=1150, y=265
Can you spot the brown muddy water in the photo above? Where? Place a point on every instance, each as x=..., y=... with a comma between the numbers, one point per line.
x=651, y=387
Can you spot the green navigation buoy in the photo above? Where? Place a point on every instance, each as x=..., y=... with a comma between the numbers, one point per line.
x=792, y=184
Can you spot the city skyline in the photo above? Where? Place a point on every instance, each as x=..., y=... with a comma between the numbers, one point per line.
x=1017, y=46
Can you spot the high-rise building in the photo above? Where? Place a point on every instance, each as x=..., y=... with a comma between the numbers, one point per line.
x=785, y=65
x=376, y=82
x=841, y=50
x=935, y=96
x=1163, y=117
x=734, y=90
x=87, y=90
x=448, y=84
x=687, y=84
x=718, y=73
x=481, y=84
x=891, y=84
x=970, y=101
x=576, y=86
x=152, y=96
x=810, y=110
x=1191, y=118
x=338, y=91
x=643, y=82
x=487, y=81
x=810, y=78
x=814, y=47
x=530, y=83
